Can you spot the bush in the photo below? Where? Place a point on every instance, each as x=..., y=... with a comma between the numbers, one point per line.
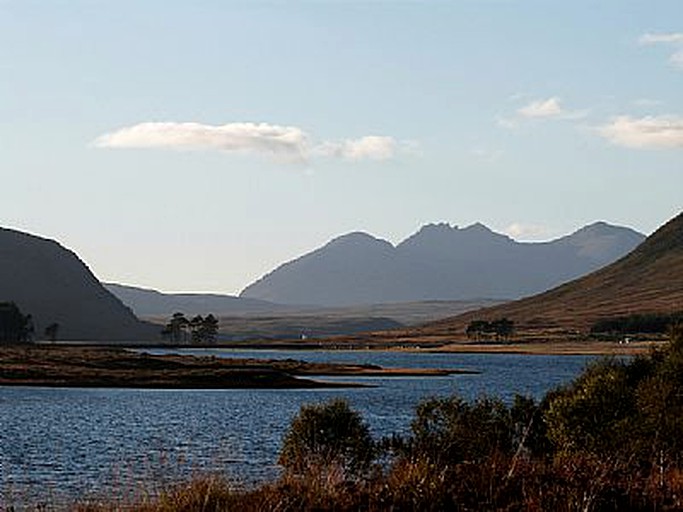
x=448, y=431
x=329, y=435
x=624, y=410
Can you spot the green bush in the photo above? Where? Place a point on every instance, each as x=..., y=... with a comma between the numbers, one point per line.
x=628, y=410
x=448, y=431
x=327, y=435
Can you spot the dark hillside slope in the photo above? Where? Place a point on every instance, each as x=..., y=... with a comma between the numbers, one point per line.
x=53, y=285
x=648, y=280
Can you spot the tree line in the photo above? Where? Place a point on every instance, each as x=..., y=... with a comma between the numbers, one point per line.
x=501, y=329
x=15, y=327
x=647, y=323
x=197, y=329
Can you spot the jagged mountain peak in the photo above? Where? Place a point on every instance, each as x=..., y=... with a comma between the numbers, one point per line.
x=439, y=262
x=648, y=279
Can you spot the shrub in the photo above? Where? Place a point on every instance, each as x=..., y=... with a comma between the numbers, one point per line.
x=448, y=431
x=329, y=435
x=626, y=410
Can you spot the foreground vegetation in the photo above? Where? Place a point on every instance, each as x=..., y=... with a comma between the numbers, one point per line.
x=610, y=440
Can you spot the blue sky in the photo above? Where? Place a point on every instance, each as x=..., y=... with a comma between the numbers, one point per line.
x=194, y=146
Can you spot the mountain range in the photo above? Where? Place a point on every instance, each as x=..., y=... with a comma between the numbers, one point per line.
x=439, y=262
x=648, y=280
x=54, y=286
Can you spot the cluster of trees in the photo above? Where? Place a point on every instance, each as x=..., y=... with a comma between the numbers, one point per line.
x=198, y=329
x=501, y=329
x=610, y=440
x=653, y=323
x=15, y=327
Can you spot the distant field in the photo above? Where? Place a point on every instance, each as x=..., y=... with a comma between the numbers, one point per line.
x=315, y=323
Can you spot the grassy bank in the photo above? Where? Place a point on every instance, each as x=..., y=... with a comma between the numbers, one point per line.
x=58, y=366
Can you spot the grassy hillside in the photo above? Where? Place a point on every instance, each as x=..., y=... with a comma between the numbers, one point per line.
x=650, y=279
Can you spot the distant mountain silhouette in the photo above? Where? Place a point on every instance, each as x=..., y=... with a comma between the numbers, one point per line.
x=149, y=303
x=50, y=283
x=648, y=280
x=440, y=262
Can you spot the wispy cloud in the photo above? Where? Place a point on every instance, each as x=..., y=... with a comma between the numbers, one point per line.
x=542, y=108
x=650, y=132
x=283, y=141
x=521, y=231
x=549, y=108
x=674, y=39
x=668, y=38
x=506, y=122
x=647, y=102
x=372, y=147
x=288, y=143
x=487, y=155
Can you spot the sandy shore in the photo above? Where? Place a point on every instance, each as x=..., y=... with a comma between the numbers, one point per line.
x=552, y=348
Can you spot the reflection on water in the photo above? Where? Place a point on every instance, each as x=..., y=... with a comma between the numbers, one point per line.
x=72, y=442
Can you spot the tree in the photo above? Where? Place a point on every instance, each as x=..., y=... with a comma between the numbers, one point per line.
x=628, y=409
x=502, y=328
x=14, y=325
x=176, y=328
x=449, y=431
x=327, y=435
x=196, y=325
x=197, y=330
x=51, y=331
x=210, y=329
x=476, y=328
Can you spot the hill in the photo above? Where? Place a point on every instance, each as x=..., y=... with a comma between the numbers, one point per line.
x=648, y=280
x=152, y=303
x=53, y=285
x=439, y=262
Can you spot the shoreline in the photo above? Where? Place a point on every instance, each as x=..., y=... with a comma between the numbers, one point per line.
x=597, y=348
x=105, y=367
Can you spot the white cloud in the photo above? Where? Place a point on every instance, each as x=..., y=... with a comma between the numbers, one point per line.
x=520, y=231
x=542, y=108
x=280, y=142
x=671, y=39
x=650, y=132
x=283, y=141
x=550, y=109
x=371, y=147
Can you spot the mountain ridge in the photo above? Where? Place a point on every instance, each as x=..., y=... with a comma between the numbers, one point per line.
x=439, y=262
x=647, y=280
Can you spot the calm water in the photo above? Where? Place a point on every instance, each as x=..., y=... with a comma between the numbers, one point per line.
x=56, y=443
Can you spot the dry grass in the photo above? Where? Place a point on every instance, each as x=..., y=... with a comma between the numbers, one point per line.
x=579, y=483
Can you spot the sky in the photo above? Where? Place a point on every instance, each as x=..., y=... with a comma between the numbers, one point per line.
x=195, y=146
